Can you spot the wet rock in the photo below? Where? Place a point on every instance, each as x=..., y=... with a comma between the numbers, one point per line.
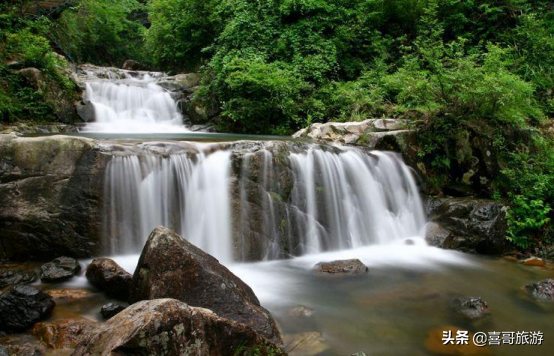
x=62, y=334
x=435, y=344
x=23, y=306
x=16, y=276
x=472, y=308
x=353, y=266
x=534, y=261
x=133, y=65
x=309, y=343
x=86, y=111
x=542, y=290
x=301, y=311
x=106, y=275
x=111, y=309
x=468, y=225
x=59, y=269
x=172, y=328
x=23, y=345
x=68, y=294
x=50, y=193
x=171, y=267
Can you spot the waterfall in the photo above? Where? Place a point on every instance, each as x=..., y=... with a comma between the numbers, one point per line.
x=255, y=201
x=132, y=104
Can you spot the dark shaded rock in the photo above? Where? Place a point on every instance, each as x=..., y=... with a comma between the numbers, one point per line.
x=59, y=269
x=541, y=290
x=469, y=225
x=471, y=308
x=171, y=267
x=23, y=306
x=172, y=328
x=111, y=309
x=59, y=99
x=353, y=266
x=62, y=334
x=50, y=193
x=16, y=276
x=108, y=276
x=133, y=65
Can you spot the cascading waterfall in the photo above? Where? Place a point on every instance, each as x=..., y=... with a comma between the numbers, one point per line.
x=262, y=203
x=134, y=104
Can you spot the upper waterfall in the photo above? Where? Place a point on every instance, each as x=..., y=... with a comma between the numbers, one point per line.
x=131, y=102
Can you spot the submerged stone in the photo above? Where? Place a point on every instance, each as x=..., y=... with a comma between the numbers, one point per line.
x=23, y=306
x=171, y=328
x=309, y=343
x=301, y=311
x=60, y=269
x=353, y=266
x=471, y=308
x=542, y=290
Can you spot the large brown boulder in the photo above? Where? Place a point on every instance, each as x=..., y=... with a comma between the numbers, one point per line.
x=62, y=334
x=171, y=328
x=171, y=267
x=108, y=276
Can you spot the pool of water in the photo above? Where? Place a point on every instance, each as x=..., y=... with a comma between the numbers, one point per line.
x=390, y=310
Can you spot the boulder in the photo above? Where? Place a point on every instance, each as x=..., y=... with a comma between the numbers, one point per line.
x=172, y=328
x=111, y=309
x=542, y=290
x=353, y=266
x=62, y=334
x=133, y=65
x=468, y=225
x=59, y=269
x=471, y=308
x=106, y=275
x=23, y=306
x=171, y=267
x=16, y=276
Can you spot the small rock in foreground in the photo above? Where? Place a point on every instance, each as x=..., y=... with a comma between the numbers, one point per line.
x=471, y=308
x=542, y=290
x=353, y=266
x=59, y=269
x=171, y=328
x=111, y=309
x=22, y=306
x=62, y=334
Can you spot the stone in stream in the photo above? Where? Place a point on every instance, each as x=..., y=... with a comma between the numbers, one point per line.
x=471, y=308
x=353, y=266
x=15, y=276
x=111, y=309
x=310, y=343
x=172, y=328
x=171, y=267
x=108, y=276
x=59, y=269
x=22, y=306
x=301, y=311
x=541, y=290
x=534, y=261
x=62, y=334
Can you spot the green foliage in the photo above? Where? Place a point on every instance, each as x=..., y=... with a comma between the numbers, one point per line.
x=525, y=218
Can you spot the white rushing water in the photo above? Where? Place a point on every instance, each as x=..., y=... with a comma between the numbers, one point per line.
x=339, y=199
x=135, y=104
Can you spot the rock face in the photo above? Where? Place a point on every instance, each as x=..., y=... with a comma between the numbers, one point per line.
x=171, y=267
x=22, y=306
x=62, y=334
x=60, y=269
x=353, y=266
x=108, y=276
x=172, y=328
x=542, y=290
x=53, y=94
x=466, y=224
x=471, y=308
x=111, y=309
x=50, y=191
